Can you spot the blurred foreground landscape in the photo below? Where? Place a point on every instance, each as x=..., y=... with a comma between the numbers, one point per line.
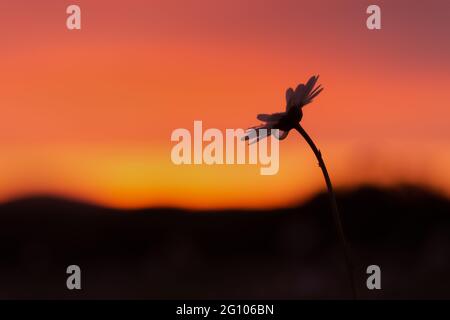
x=290, y=253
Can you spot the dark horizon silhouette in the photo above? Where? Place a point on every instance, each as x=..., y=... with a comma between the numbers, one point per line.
x=287, y=253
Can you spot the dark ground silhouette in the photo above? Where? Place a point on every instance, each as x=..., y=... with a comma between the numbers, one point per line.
x=286, y=253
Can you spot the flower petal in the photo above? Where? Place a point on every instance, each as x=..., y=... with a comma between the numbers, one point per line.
x=255, y=134
x=299, y=94
x=281, y=135
x=270, y=117
x=314, y=94
x=310, y=84
x=289, y=98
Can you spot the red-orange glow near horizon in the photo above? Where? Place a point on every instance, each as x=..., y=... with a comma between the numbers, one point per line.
x=88, y=114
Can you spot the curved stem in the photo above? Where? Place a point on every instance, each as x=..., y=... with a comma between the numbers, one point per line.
x=336, y=216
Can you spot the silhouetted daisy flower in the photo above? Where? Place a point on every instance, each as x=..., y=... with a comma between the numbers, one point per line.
x=285, y=122
x=289, y=119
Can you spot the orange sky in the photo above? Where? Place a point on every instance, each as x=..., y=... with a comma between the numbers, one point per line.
x=88, y=114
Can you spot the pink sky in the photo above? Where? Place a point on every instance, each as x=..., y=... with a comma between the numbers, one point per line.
x=88, y=114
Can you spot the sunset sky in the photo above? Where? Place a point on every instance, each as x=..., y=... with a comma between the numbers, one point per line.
x=88, y=114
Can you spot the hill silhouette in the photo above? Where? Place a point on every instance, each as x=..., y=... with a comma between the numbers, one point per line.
x=290, y=253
